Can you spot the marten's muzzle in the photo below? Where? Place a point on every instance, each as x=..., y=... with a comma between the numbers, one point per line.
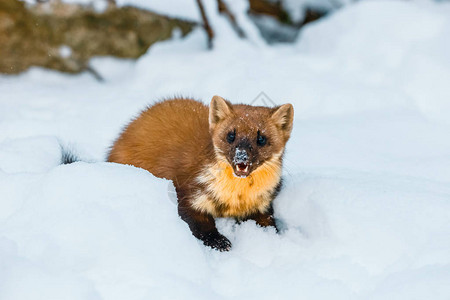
x=241, y=163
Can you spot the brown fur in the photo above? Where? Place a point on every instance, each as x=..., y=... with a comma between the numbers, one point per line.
x=185, y=141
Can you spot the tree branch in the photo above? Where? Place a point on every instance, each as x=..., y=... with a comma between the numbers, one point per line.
x=206, y=26
x=223, y=9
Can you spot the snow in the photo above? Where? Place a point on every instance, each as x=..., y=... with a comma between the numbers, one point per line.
x=65, y=51
x=365, y=211
x=296, y=8
x=175, y=8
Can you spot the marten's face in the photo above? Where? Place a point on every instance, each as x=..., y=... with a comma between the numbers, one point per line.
x=249, y=136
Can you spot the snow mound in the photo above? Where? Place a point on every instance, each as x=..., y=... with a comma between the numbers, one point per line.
x=395, y=43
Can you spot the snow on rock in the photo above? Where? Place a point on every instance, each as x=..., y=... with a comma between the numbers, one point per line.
x=174, y=8
x=365, y=210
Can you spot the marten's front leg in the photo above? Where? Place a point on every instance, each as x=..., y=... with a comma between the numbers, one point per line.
x=203, y=227
x=264, y=219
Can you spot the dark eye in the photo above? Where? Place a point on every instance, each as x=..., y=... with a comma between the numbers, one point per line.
x=261, y=139
x=231, y=136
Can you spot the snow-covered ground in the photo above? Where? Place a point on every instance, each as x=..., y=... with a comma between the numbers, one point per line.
x=365, y=212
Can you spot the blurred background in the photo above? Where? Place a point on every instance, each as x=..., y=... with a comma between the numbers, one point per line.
x=64, y=34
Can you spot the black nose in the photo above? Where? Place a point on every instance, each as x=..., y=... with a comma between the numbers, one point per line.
x=240, y=156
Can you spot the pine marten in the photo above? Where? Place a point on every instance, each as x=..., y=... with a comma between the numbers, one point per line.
x=224, y=161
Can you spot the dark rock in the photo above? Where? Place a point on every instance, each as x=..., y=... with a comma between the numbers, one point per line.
x=33, y=35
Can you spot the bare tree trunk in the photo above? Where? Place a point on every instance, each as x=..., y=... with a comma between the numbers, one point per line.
x=208, y=29
x=223, y=9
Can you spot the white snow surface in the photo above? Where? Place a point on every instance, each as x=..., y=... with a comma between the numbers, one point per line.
x=365, y=211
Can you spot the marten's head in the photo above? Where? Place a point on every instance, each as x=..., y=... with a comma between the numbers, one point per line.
x=248, y=137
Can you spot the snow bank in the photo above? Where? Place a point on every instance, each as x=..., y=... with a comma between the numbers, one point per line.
x=365, y=208
x=394, y=44
x=105, y=231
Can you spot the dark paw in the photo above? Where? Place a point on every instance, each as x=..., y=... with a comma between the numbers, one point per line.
x=267, y=221
x=216, y=241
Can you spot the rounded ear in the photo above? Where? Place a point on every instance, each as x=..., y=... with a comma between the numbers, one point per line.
x=219, y=109
x=283, y=117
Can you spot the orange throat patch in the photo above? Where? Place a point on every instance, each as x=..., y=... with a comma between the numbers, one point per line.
x=227, y=195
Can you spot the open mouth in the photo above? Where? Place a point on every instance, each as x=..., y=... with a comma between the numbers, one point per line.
x=242, y=169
